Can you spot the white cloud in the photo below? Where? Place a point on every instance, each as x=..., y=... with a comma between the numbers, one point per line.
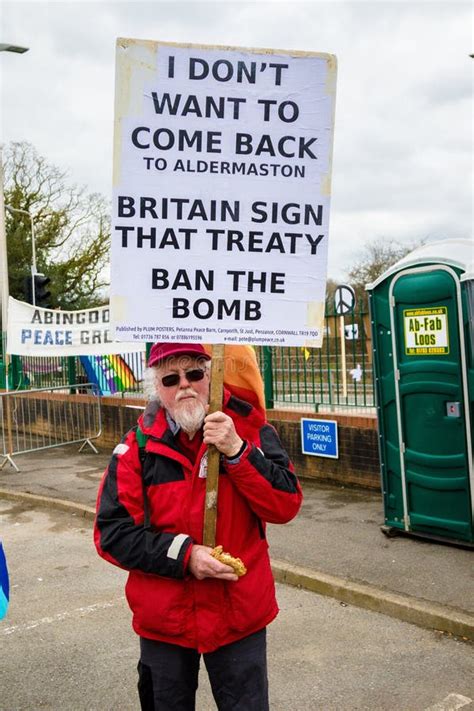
x=403, y=143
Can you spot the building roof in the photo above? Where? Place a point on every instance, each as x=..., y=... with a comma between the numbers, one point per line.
x=452, y=252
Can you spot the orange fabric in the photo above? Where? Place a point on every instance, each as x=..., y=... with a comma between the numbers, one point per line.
x=242, y=375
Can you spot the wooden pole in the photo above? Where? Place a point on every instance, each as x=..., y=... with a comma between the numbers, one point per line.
x=213, y=454
x=343, y=357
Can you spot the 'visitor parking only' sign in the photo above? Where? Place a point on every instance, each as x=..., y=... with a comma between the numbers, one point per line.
x=222, y=181
x=319, y=438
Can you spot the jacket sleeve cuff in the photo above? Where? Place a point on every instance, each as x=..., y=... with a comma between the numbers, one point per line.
x=186, y=558
x=243, y=451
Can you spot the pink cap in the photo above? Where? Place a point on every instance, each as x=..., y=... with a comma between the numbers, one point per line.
x=161, y=351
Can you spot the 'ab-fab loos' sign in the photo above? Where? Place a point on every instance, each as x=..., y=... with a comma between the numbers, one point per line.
x=426, y=331
x=222, y=181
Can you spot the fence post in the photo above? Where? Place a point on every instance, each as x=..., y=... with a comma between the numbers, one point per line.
x=268, y=376
x=71, y=372
x=16, y=373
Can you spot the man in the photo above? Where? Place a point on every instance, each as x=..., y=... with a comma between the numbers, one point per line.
x=150, y=513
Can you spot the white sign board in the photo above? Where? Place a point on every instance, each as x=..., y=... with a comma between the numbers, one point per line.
x=351, y=331
x=48, y=332
x=222, y=180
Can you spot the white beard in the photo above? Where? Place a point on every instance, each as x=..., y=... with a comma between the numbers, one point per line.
x=189, y=415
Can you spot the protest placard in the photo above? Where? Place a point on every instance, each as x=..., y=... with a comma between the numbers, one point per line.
x=222, y=182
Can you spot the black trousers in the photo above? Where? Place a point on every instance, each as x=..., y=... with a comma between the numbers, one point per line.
x=168, y=675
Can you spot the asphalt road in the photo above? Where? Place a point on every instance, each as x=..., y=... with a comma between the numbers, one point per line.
x=67, y=644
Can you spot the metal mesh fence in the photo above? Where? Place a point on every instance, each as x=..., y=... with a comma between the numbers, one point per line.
x=43, y=418
x=336, y=376
x=118, y=375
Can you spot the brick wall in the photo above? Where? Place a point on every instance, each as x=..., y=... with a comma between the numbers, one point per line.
x=118, y=416
x=358, y=462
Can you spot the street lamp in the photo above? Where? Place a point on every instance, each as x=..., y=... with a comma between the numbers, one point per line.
x=5, y=47
x=34, y=270
x=13, y=48
x=4, y=291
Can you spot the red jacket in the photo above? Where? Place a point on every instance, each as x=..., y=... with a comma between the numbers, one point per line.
x=168, y=603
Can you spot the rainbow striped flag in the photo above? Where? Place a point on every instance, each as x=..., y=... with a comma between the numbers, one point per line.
x=110, y=372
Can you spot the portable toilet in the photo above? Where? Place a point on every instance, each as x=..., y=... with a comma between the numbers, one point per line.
x=422, y=316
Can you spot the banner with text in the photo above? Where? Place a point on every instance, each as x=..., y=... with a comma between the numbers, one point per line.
x=46, y=332
x=222, y=182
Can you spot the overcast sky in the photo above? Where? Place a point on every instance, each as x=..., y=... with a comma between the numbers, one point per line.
x=402, y=164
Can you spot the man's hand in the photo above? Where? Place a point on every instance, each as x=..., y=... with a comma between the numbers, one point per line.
x=219, y=430
x=203, y=565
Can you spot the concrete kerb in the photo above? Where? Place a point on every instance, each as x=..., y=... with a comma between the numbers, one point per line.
x=423, y=613
x=403, y=607
x=82, y=510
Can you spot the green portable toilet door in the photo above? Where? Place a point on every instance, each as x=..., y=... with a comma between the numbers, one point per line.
x=431, y=395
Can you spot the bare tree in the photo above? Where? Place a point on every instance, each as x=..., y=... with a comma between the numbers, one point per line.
x=72, y=230
x=376, y=257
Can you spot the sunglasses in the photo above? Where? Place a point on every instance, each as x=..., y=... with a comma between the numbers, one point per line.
x=192, y=376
